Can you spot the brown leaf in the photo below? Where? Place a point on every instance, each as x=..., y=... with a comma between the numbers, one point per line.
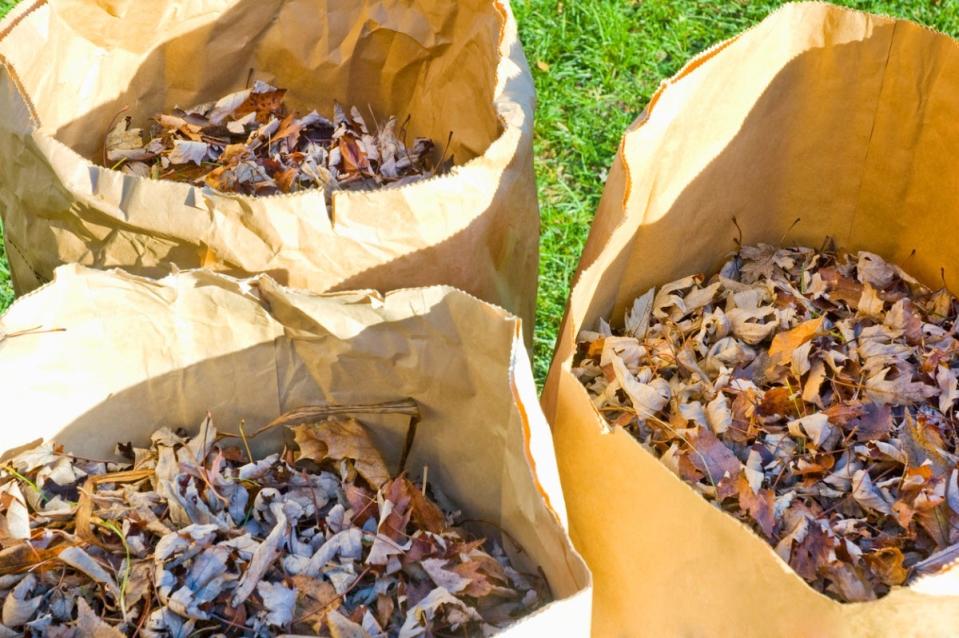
x=285, y=179
x=20, y=558
x=875, y=422
x=812, y=553
x=220, y=178
x=264, y=105
x=288, y=129
x=779, y=401
x=841, y=414
x=935, y=521
x=384, y=609
x=711, y=456
x=761, y=506
x=342, y=627
x=393, y=526
x=362, y=502
x=850, y=582
x=425, y=513
x=354, y=159
x=234, y=153
x=596, y=347
x=903, y=513
x=479, y=584
x=886, y=563
x=90, y=625
x=842, y=288
x=320, y=591
x=338, y=439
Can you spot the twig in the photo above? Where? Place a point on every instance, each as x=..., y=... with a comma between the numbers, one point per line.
x=314, y=413
x=246, y=444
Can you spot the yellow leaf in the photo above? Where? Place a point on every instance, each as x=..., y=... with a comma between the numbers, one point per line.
x=542, y=66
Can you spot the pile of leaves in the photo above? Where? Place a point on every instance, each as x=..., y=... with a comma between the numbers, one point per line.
x=247, y=142
x=812, y=395
x=193, y=537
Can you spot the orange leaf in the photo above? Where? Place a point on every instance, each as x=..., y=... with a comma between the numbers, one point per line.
x=887, y=564
x=784, y=343
x=284, y=179
x=778, y=401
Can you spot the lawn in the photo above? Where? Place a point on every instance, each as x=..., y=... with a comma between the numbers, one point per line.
x=595, y=63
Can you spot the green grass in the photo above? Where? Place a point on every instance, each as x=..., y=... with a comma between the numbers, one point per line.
x=596, y=63
x=6, y=287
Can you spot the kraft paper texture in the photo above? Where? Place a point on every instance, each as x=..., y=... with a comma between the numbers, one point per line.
x=134, y=355
x=68, y=68
x=843, y=120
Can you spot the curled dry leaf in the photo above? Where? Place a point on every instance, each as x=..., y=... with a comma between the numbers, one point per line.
x=341, y=439
x=812, y=395
x=194, y=537
x=248, y=142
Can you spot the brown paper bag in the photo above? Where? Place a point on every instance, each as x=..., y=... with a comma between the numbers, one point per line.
x=70, y=66
x=844, y=120
x=135, y=355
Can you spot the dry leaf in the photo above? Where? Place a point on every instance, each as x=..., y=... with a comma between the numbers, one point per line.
x=248, y=142
x=340, y=439
x=195, y=537
x=811, y=394
x=783, y=344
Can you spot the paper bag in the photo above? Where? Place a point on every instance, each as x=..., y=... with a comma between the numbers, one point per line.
x=131, y=355
x=843, y=120
x=69, y=68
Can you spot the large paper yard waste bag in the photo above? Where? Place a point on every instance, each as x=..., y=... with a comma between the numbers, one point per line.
x=98, y=358
x=819, y=123
x=453, y=73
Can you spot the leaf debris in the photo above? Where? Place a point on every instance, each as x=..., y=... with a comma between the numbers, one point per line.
x=810, y=394
x=191, y=536
x=249, y=142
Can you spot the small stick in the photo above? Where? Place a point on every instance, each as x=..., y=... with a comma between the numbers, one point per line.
x=112, y=124
x=246, y=443
x=738, y=240
x=449, y=142
x=426, y=477
x=314, y=413
x=29, y=331
x=782, y=240
x=408, y=444
x=373, y=117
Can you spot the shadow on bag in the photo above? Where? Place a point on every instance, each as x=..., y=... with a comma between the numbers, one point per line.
x=132, y=355
x=69, y=68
